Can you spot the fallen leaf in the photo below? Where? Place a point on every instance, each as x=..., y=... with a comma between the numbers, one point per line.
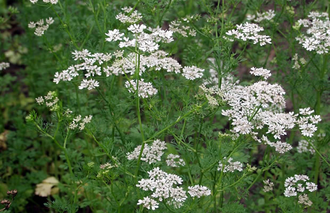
x=44, y=189
x=3, y=139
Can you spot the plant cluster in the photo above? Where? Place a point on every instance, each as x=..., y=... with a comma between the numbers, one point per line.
x=165, y=106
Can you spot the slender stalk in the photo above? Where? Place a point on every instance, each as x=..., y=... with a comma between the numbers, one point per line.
x=233, y=184
x=58, y=144
x=175, y=122
x=319, y=154
x=139, y=114
x=263, y=170
x=65, y=26
x=106, y=151
x=318, y=112
x=222, y=173
x=112, y=116
x=166, y=9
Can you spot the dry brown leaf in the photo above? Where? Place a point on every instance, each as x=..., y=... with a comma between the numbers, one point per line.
x=44, y=189
x=3, y=139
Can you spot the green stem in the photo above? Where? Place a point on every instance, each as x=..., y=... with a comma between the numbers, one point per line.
x=139, y=113
x=137, y=3
x=318, y=112
x=222, y=173
x=112, y=116
x=65, y=26
x=58, y=144
x=106, y=152
x=233, y=184
x=175, y=122
x=166, y=9
x=319, y=154
x=260, y=173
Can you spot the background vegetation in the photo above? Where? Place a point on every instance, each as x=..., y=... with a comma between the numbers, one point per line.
x=178, y=114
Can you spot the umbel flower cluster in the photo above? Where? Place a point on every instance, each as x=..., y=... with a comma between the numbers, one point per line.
x=46, y=1
x=182, y=26
x=268, y=15
x=79, y=122
x=229, y=165
x=297, y=185
x=163, y=185
x=174, y=161
x=40, y=26
x=260, y=106
x=50, y=100
x=317, y=36
x=248, y=32
x=4, y=65
x=153, y=153
x=150, y=154
x=268, y=185
x=144, y=90
x=146, y=57
x=164, y=188
x=304, y=146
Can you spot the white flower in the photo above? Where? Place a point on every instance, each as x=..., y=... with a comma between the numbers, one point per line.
x=89, y=84
x=230, y=166
x=290, y=191
x=308, y=129
x=147, y=45
x=268, y=15
x=182, y=27
x=80, y=123
x=280, y=147
x=148, y=203
x=163, y=187
x=268, y=186
x=297, y=185
x=307, y=122
x=40, y=27
x=4, y=65
x=81, y=55
x=49, y=20
x=303, y=146
x=174, y=161
x=91, y=66
x=301, y=177
x=40, y=22
x=311, y=186
x=150, y=154
x=192, y=72
x=315, y=119
x=318, y=33
x=303, y=199
x=146, y=89
x=40, y=100
x=249, y=32
x=32, y=24
x=134, y=17
x=300, y=188
x=260, y=72
x=114, y=35
x=198, y=191
x=135, y=28
x=305, y=111
x=51, y=1
x=50, y=100
x=87, y=119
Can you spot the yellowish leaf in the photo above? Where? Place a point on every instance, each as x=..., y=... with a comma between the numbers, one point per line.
x=44, y=189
